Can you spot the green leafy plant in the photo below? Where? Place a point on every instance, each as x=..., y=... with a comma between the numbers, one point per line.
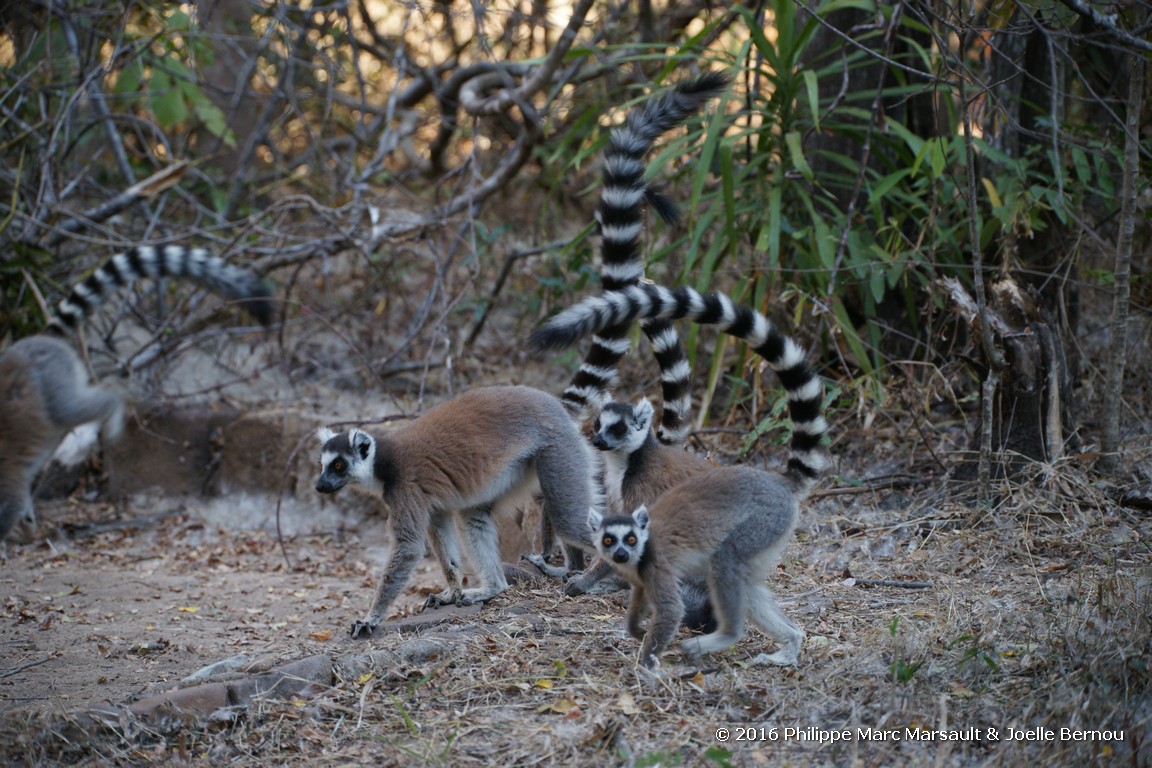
x=161, y=77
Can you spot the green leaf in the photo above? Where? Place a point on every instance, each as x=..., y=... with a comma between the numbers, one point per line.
x=877, y=283
x=938, y=158
x=130, y=79
x=882, y=187
x=796, y=153
x=812, y=86
x=166, y=100
x=179, y=22
x=210, y=115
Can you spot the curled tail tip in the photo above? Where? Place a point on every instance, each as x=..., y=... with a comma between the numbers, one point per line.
x=549, y=338
x=261, y=303
x=664, y=207
x=708, y=83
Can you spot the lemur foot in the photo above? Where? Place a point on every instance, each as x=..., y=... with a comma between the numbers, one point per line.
x=785, y=657
x=555, y=571
x=447, y=597
x=363, y=629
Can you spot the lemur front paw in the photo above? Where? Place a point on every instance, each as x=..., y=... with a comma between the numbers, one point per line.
x=363, y=629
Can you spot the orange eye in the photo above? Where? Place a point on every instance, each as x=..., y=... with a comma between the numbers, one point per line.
x=608, y=541
x=339, y=467
x=631, y=540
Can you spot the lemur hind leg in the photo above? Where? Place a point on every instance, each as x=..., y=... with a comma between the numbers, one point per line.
x=482, y=539
x=727, y=586
x=565, y=474
x=446, y=548
x=765, y=613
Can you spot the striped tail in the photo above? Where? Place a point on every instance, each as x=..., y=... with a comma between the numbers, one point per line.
x=195, y=264
x=643, y=301
x=620, y=215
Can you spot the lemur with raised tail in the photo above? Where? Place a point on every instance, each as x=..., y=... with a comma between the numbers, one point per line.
x=620, y=216
x=727, y=525
x=44, y=387
x=457, y=466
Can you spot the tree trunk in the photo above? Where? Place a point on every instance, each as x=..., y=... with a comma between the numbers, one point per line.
x=1032, y=418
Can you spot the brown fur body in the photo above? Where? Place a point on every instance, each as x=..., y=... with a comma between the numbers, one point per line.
x=44, y=394
x=726, y=527
x=453, y=468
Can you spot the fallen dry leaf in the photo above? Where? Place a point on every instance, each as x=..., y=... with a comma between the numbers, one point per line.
x=562, y=706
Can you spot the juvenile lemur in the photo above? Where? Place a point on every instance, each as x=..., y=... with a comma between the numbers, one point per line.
x=44, y=388
x=457, y=465
x=620, y=216
x=638, y=469
x=727, y=525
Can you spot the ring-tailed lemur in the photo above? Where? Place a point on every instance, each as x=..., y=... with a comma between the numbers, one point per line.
x=620, y=215
x=638, y=469
x=44, y=388
x=457, y=465
x=727, y=525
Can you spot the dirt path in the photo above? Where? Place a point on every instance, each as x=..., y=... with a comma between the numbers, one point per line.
x=108, y=617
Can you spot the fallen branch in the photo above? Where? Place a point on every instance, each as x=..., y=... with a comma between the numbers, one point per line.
x=22, y=667
x=889, y=583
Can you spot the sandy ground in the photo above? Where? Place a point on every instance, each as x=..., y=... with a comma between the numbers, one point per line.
x=163, y=591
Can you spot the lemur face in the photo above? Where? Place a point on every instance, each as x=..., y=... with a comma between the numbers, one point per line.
x=622, y=539
x=622, y=427
x=346, y=457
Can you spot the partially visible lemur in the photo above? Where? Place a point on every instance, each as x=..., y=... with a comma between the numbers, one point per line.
x=727, y=525
x=638, y=469
x=620, y=216
x=460, y=463
x=44, y=388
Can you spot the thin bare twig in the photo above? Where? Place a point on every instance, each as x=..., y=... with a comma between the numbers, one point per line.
x=892, y=583
x=1118, y=355
x=22, y=667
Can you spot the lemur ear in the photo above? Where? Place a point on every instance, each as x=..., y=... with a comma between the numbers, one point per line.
x=594, y=518
x=361, y=443
x=643, y=410
x=324, y=434
x=641, y=516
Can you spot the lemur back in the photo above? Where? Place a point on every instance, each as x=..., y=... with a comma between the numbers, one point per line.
x=620, y=215
x=44, y=387
x=727, y=528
